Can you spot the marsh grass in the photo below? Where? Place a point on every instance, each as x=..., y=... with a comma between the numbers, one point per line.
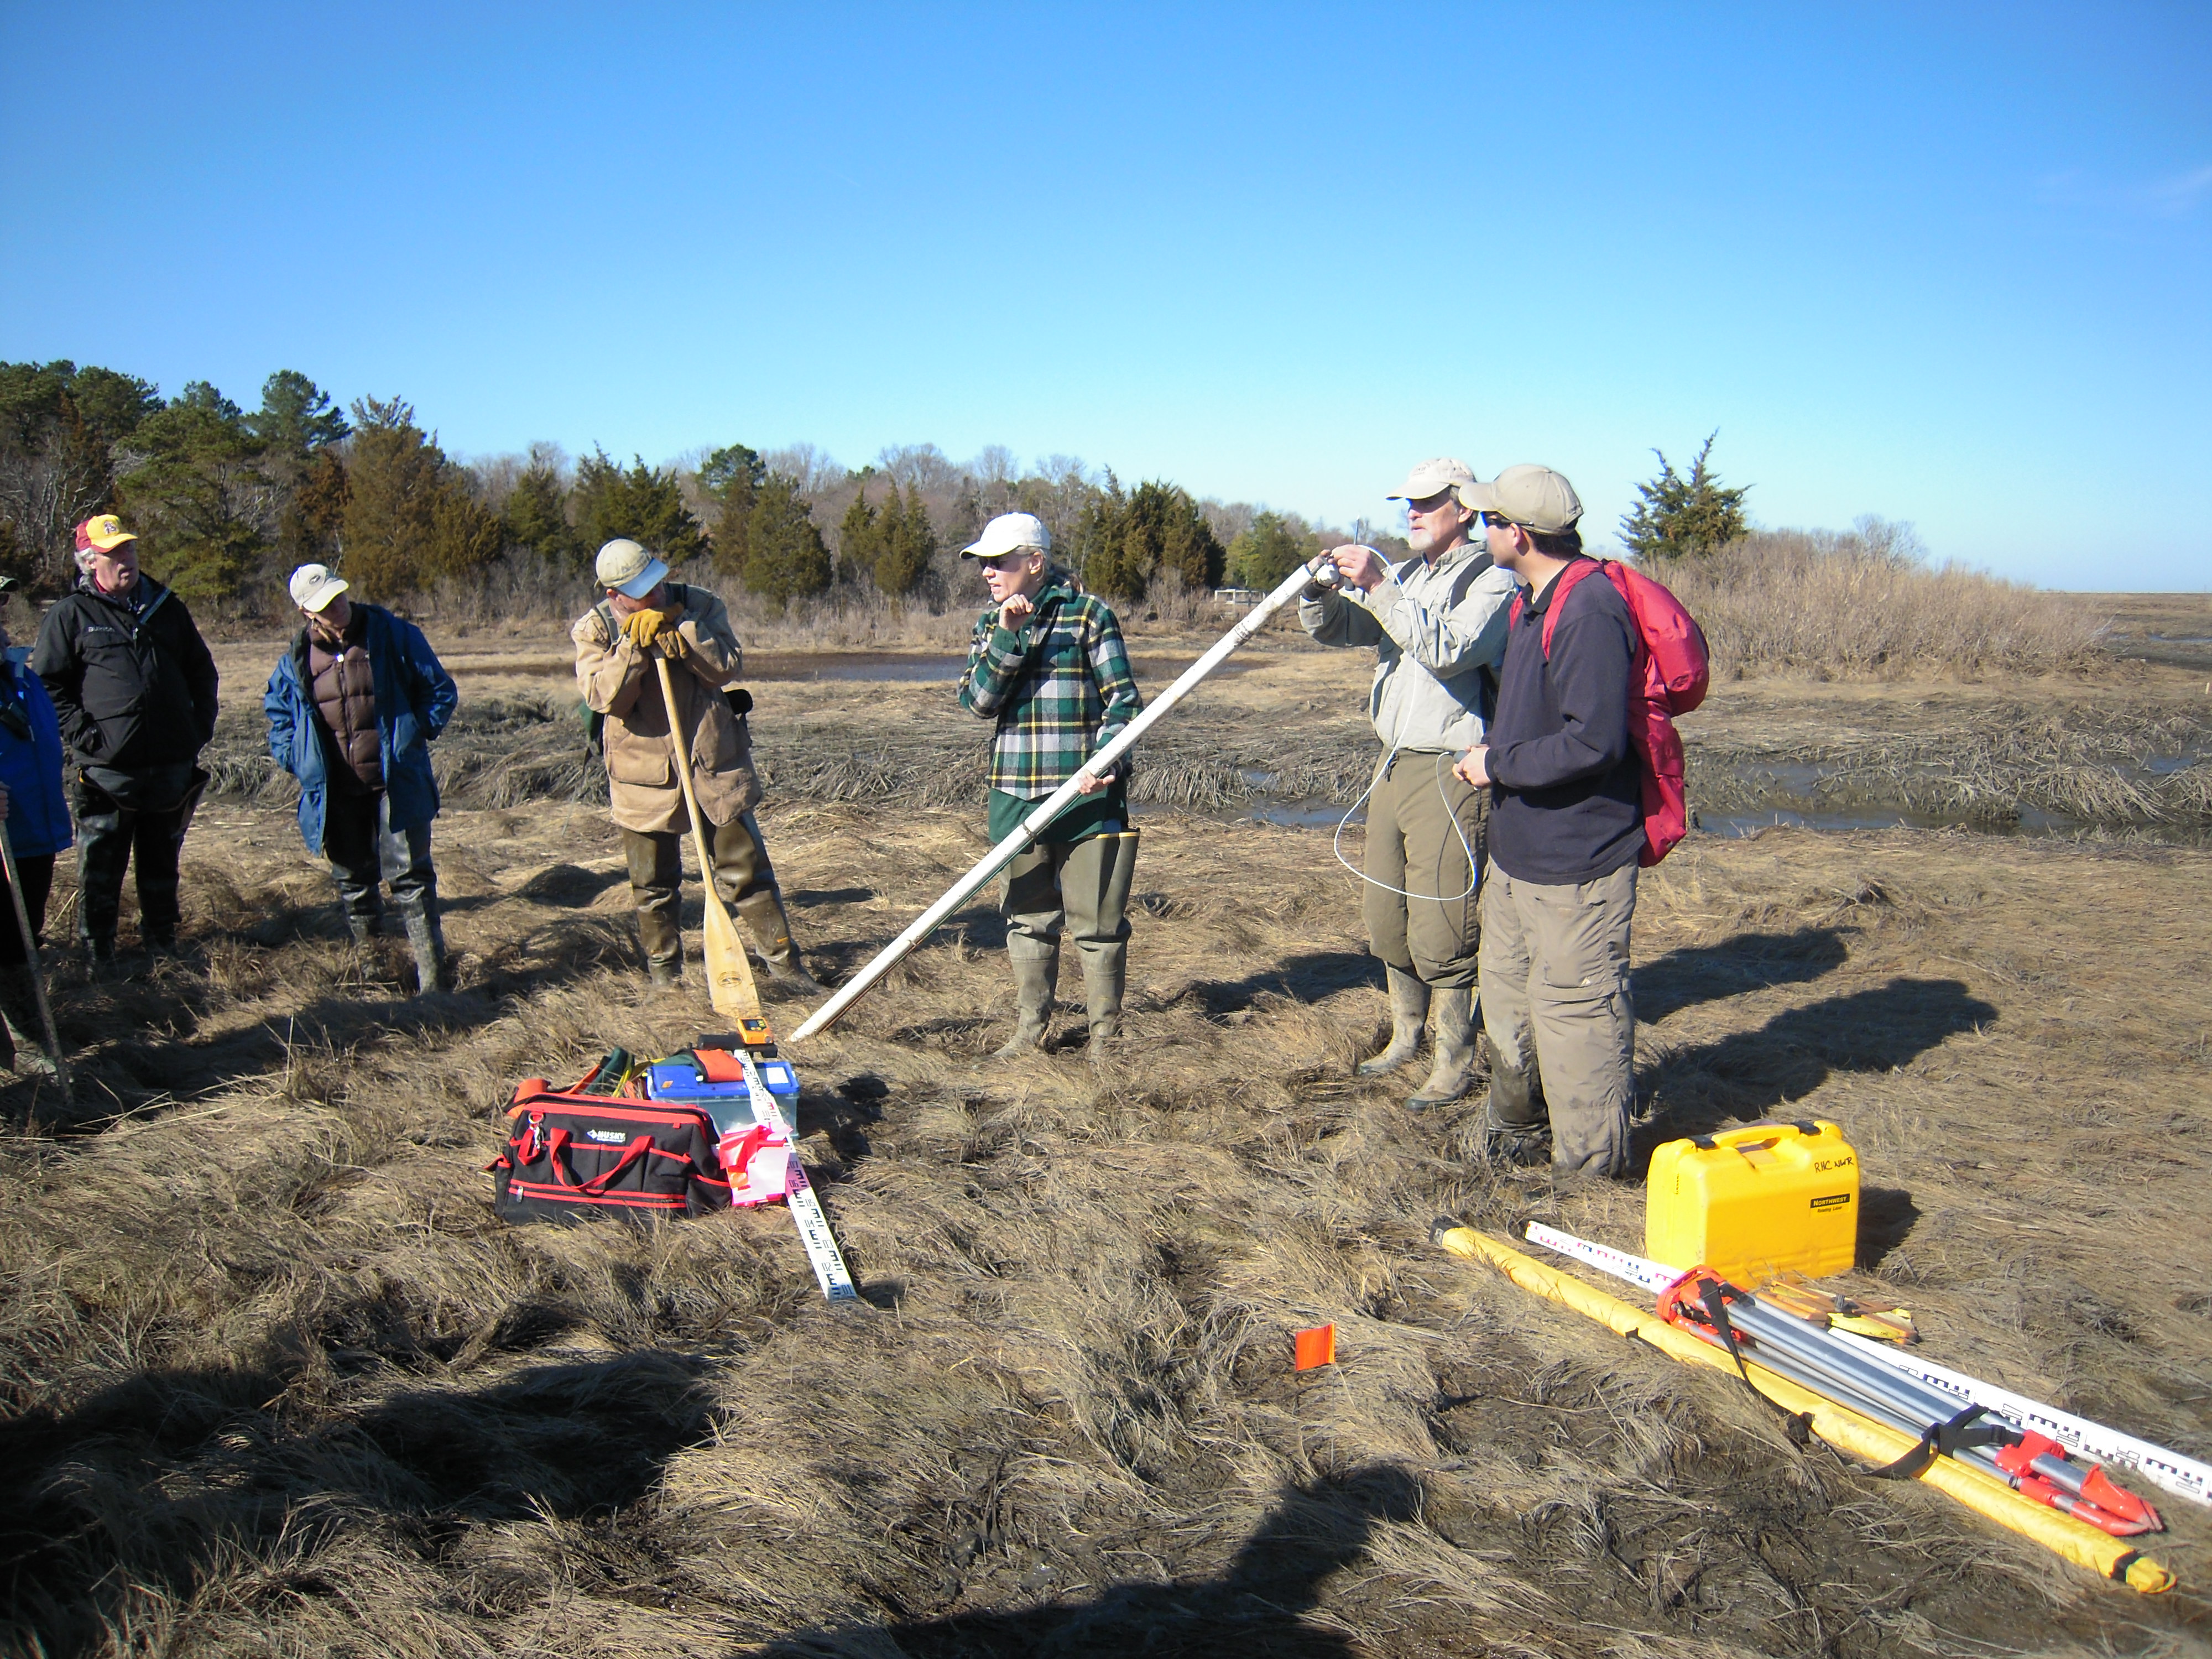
x=276, y=1382
x=1860, y=603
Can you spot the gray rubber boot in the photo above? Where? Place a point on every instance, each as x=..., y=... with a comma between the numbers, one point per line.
x=363, y=928
x=1409, y=1006
x=23, y=1030
x=1517, y=1125
x=1105, y=977
x=666, y=974
x=1033, y=990
x=764, y=915
x=429, y=940
x=1452, y=1013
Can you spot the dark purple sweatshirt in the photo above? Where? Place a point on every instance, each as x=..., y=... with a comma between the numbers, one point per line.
x=1567, y=807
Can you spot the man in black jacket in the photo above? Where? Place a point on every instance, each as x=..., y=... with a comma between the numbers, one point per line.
x=134, y=687
x=1566, y=825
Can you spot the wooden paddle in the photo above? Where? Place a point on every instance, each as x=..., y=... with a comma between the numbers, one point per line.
x=729, y=975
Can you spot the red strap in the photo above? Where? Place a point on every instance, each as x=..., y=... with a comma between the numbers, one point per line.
x=718, y=1065
x=1562, y=585
x=599, y=1183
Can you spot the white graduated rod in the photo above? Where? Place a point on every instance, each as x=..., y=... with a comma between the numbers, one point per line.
x=1033, y=825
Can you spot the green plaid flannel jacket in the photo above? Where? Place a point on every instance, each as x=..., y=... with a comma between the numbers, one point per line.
x=1059, y=686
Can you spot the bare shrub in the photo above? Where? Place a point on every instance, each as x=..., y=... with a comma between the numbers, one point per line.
x=1865, y=602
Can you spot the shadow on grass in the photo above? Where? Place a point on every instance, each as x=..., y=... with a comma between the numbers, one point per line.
x=1258, y=1607
x=1307, y=977
x=1698, y=973
x=147, y=1483
x=1748, y=1075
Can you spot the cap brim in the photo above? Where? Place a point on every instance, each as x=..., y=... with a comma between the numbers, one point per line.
x=110, y=544
x=1479, y=495
x=644, y=582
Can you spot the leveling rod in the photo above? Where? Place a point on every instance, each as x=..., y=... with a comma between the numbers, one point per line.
x=2170, y=1471
x=1036, y=824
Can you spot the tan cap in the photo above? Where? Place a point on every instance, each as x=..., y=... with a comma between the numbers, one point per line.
x=627, y=568
x=1534, y=497
x=1433, y=478
x=1009, y=532
x=314, y=585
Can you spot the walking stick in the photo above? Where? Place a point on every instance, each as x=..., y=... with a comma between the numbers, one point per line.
x=31, y=961
x=1033, y=825
x=730, y=985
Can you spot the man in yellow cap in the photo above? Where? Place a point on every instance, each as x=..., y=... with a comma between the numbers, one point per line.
x=135, y=688
x=642, y=614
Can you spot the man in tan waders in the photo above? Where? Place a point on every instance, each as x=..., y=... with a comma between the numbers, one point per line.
x=1437, y=622
x=644, y=614
x=1047, y=663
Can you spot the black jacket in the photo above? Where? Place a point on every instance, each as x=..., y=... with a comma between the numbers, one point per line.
x=1568, y=805
x=134, y=686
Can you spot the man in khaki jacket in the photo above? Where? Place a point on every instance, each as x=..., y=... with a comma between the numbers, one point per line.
x=644, y=615
x=1437, y=625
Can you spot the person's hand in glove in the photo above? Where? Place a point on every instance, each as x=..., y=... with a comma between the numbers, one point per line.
x=673, y=645
x=643, y=626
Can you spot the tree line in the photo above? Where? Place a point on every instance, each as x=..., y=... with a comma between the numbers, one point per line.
x=226, y=500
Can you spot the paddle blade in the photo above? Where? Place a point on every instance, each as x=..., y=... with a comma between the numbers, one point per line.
x=729, y=975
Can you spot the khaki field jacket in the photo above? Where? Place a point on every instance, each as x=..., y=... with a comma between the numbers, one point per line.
x=1434, y=628
x=619, y=681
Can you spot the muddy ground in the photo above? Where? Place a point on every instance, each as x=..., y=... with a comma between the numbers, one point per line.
x=277, y=1382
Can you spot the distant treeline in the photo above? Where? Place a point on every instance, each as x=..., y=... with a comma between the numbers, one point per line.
x=226, y=500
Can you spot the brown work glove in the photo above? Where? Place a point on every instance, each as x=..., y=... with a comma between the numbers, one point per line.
x=643, y=626
x=673, y=645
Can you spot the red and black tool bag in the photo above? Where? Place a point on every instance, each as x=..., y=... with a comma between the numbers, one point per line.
x=570, y=1155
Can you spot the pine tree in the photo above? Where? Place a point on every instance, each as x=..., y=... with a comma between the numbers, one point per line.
x=395, y=479
x=1679, y=517
x=906, y=544
x=1266, y=553
x=202, y=504
x=733, y=476
x=786, y=557
x=296, y=417
x=537, y=514
x=861, y=538
x=642, y=503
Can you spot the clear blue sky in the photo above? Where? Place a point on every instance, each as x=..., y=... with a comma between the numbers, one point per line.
x=1948, y=264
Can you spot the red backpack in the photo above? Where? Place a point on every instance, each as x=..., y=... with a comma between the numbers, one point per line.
x=1672, y=671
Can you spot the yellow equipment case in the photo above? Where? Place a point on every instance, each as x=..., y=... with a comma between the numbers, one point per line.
x=1755, y=1201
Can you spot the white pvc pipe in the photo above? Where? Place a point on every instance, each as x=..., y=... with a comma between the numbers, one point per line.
x=1033, y=825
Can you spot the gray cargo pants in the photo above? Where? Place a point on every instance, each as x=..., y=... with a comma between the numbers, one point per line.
x=1561, y=1020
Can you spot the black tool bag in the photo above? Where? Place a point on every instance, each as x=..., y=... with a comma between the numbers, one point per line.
x=570, y=1155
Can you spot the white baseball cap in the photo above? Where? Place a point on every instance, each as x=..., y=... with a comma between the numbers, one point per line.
x=1009, y=532
x=1534, y=497
x=1433, y=478
x=628, y=569
x=314, y=585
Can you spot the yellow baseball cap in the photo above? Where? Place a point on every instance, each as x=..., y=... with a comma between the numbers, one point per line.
x=104, y=531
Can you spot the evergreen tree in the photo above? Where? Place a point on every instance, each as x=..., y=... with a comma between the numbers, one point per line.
x=537, y=513
x=395, y=479
x=1266, y=552
x=906, y=544
x=1678, y=517
x=60, y=427
x=465, y=534
x=860, y=538
x=786, y=557
x=643, y=504
x=310, y=524
x=731, y=478
x=202, y=504
x=296, y=417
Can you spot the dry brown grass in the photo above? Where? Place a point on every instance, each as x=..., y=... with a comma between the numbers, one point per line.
x=1824, y=603
x=277, y=1383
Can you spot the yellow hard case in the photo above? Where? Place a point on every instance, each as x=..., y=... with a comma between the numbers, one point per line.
x=1755, y=1201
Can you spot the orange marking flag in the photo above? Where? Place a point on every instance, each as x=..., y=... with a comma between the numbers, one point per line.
x=1315, y=1348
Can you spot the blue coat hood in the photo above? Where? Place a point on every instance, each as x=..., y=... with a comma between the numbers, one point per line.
x=415, y=698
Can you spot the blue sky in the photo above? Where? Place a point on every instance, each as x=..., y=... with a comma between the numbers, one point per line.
x=1947, y=264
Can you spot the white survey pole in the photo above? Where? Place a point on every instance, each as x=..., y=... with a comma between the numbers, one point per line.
x=1007, y=850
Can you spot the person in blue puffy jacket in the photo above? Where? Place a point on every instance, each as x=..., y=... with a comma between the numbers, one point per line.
x=352, y=707
x=35, y=807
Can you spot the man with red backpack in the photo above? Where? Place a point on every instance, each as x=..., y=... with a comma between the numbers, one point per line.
x=1566, y=829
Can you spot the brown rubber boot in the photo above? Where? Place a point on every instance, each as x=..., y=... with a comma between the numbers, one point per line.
x=764, y=915
x=1409, y=1006
x=1451, y=1012
x=1033, y=990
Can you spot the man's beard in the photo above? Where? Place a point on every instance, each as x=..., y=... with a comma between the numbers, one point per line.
x=1421, y=539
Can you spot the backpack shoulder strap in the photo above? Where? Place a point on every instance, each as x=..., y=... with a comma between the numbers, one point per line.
x=1562, y=585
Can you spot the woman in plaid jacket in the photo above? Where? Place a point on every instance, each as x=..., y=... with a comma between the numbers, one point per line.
x=1047, y=663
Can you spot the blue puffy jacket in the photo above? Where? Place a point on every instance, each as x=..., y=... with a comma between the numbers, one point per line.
x=415, y=698
x=38, y=811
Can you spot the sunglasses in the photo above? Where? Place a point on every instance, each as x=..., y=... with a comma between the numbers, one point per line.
x=1433, y=504
x=1006, y=564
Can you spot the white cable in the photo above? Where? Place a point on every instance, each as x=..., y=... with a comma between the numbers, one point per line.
x=1336, y=842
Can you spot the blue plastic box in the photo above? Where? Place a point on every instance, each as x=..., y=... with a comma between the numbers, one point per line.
x=730, y=1104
